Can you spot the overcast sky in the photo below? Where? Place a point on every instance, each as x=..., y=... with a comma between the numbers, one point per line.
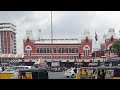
x=66, y=24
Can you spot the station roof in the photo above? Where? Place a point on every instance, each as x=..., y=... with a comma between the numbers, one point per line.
x=58, y=41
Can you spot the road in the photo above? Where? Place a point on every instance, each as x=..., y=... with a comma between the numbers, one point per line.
x=57, y=75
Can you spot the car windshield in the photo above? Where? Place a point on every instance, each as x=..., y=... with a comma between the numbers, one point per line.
x=70, y=69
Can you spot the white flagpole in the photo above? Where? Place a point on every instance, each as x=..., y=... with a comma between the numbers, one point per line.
x=51, y=37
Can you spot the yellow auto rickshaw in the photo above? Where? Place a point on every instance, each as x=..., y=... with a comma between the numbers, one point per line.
x=91, y=73
x=114, y=71
x=36, y=73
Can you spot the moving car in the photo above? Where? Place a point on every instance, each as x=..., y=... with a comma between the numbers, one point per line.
x=0, y=69
x=70, y=72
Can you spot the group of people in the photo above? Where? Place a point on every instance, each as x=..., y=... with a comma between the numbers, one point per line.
x=104, y=75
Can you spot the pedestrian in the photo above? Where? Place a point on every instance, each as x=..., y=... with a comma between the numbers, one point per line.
x=107, y=75
x=98, y=75
x=75, y=70
x=24, y=76
x=86, y=74
x=102, y=75
x=15, y=74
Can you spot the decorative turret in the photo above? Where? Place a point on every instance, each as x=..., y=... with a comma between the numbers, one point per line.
x=86, y=46
x=29, y=35
x=111, y=34
x=39, y=35
x=86, y=35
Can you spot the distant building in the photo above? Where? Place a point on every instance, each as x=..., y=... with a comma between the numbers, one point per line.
x=7, y=38
x=65, y=51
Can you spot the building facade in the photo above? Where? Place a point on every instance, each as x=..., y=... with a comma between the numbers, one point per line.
x=7, y=38
x=107, y=53
x=65, y=51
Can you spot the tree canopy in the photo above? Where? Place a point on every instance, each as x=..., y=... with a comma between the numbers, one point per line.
x=116, y=47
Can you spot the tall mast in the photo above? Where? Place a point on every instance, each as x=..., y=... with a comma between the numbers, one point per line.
x=51, y=36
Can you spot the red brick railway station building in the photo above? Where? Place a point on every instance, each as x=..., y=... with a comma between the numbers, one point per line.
x=66, y=51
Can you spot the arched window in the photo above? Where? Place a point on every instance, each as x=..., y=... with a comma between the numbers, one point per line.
x=110, y=49
x=86, y=50
x=28, y=50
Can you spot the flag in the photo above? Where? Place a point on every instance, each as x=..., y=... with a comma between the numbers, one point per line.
x=96, y=37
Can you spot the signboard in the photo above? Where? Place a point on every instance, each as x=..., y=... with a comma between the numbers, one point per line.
x=54, y=64
x=114, y=58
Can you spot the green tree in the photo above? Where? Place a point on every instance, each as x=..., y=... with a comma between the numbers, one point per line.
x=116, y=47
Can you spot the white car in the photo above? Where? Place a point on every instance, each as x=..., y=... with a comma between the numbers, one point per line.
x=70, y=72
x=0, y=69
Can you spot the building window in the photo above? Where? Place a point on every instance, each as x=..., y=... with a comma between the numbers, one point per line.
x=62, y=57
x=44, y=57
x=55, y=57
x=41, y=50
x=67, y=57
x=70, y=50
x=28, y=52
x=48, y=51
x=66, y=50
x=76, y=50
x=86, y=51
x=59, y=50
x=62, y=50
x=74, y=57
x=44, y=50
x=37, y=50
x=54, y=50
x=59, y=57
x=73, y=50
